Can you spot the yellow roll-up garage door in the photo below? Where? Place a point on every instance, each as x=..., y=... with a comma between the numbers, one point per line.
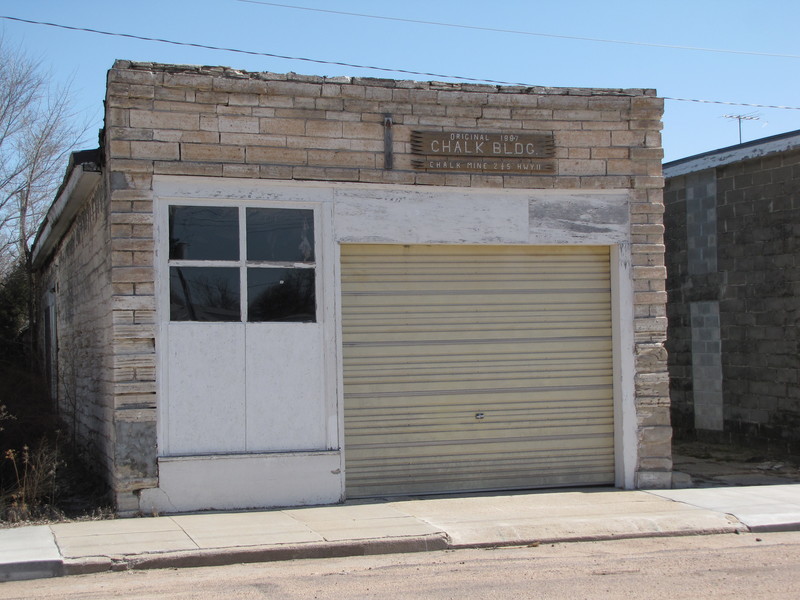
x=476, y=368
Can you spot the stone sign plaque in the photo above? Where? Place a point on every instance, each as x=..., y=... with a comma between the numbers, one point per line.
x=483, y=152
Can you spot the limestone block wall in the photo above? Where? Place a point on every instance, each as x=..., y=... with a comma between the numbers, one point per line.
x=80, y=278
x=220, y=122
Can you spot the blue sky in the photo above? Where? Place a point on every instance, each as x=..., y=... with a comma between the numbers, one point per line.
x=768, y=27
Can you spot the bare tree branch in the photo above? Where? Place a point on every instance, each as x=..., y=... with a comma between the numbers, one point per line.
x=37, y=132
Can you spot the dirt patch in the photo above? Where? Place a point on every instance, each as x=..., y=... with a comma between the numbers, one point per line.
x=702, y=464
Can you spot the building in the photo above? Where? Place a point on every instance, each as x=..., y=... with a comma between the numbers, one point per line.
x=271, y=290
x=733, y=236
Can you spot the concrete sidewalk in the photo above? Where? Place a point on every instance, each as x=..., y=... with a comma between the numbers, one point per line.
x=406, y=525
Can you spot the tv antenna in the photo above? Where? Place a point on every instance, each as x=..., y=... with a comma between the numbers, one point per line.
x=748, y=117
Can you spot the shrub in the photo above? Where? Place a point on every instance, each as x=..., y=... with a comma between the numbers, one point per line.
x=32, y=493
x=41, y=478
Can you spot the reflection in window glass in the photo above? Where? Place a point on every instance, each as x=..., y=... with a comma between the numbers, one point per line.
x=281, y=295
x=280, y=235
x=203, y=233
x=204, y=294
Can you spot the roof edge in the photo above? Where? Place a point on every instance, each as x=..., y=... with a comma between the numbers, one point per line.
x=732, y=154
x=82, y=176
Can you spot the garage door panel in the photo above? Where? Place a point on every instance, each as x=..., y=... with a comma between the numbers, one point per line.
x=488, y=335
x=570, y=396
x=552, y=441
x=465, y=372
x=435, y=336
x=473, y=364
x=437, y=461
x=459, y=374
x=503, y=299
x=401, y=411
x=477, y=347
x=527, y=312
x=512, y=438
x=493, y=387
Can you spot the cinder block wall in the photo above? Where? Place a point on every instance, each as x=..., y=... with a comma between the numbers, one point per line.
x=693, y=284
x=759, y=252
x=219, y=122
x=747, y=215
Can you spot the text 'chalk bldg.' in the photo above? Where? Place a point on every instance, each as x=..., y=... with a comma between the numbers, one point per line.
x=273, y=290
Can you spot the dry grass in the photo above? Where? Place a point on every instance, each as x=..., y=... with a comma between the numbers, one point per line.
x=42, y=478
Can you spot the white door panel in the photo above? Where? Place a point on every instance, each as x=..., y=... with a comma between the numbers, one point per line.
x=285, y=387
x=206, y=388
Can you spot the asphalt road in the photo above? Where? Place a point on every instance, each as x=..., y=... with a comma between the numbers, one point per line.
x=723, y=566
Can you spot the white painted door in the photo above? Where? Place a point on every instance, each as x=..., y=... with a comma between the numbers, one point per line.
x=244, y=370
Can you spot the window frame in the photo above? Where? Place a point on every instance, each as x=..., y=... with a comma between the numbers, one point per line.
x=242, y=263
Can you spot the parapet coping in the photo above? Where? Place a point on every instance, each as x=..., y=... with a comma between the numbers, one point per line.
x=231, y=73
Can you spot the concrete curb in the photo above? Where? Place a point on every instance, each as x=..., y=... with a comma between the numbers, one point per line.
x=774, y=527
x=605, y=537
x=31, y=569
x=440, y=541
x=29, y=553
x=228, y=556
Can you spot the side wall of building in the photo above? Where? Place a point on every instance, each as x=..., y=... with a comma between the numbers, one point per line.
x=759, y=239
x=75, y=294
x=221, y=123
x=693, y=301
x=678, y=342
x=734, y=295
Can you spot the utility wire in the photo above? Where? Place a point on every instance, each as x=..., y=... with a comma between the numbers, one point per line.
x=517, y=31
x=731, y=103
x=342, y=64
x=254, y=53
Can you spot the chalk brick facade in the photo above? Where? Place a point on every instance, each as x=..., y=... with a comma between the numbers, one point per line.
x=222, y=123
x=734, y=292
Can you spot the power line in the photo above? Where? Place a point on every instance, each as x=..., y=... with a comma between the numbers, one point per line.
x=343, y=64
x=731, y=103
x=520, y=32
x=254, y=53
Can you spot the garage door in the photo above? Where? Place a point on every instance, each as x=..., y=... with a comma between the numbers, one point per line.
x=473, y=368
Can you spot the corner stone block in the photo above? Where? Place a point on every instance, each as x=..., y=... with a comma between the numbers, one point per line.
x=653, y=480
x=652, y=385
x=136, y=450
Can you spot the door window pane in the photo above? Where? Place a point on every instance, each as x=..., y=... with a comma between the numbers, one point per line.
x=280, y=235
x=203, y=233
x=281, y=295
x=204, y=294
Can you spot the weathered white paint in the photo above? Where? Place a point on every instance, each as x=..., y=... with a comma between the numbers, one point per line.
x=429, y=217
x=229, y=482
x=732, y=154
x=78, y=186
x=283, y=366
x=625, y=423
x=574, y=218
x=304, y=409
x=206, y=410
x=264, y=191
x=328, y=266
